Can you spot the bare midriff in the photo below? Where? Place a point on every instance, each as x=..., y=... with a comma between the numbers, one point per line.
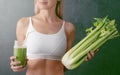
x=44, y=67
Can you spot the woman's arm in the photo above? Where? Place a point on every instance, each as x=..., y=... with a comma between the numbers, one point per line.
x=20, y=34
x=70, y=33
x=21, y=29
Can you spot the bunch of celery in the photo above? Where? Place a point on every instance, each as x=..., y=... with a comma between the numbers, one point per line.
x=104, y=29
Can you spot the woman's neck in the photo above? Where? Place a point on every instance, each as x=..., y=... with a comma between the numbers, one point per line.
x=47, y=15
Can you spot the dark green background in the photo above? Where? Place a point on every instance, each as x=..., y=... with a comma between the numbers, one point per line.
x=81, y=14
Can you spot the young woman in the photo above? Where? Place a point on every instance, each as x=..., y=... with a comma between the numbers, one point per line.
x=47, y=37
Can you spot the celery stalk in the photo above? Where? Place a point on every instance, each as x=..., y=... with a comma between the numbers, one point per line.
x=105, y=30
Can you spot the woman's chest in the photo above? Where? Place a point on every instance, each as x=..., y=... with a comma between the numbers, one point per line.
x=46, y=45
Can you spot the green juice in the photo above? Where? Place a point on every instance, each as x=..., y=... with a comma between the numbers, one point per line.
x=20, y=53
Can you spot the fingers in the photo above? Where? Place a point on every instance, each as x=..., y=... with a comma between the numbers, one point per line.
x=12, y=58
x=14, y=64
x=90, y=55
x=96, y=50
x=17, y=68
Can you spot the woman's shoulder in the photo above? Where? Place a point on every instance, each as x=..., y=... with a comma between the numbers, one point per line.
x=22, y=26
x=23, y=22
x=69, y=27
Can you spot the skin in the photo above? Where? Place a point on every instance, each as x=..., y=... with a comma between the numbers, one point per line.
x=45, y=22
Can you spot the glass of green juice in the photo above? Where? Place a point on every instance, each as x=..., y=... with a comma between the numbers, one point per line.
x=20, y=53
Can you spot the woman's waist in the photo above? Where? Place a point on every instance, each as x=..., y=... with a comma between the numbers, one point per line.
x=45, y=72
x=44, y=65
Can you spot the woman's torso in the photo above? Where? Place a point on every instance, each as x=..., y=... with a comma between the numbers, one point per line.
x=45, y=51
x=44, y=67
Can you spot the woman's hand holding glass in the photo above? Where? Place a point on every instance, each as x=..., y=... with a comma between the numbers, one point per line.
x=15, y=65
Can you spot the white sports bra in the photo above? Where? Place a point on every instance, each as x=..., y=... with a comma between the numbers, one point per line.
x=45, y=46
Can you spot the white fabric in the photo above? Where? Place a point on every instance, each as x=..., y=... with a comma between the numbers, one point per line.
x=45, y=46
